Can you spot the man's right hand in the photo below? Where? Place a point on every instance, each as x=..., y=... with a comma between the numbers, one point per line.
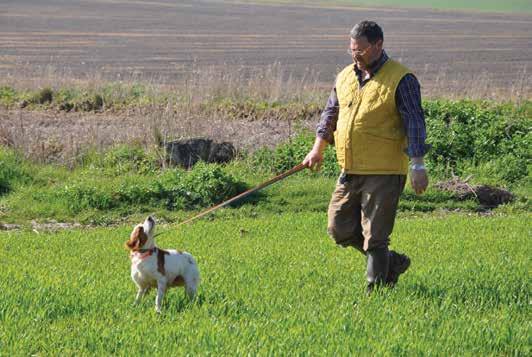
x=314, y=158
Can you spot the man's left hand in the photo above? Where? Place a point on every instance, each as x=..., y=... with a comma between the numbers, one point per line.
x=419, y=180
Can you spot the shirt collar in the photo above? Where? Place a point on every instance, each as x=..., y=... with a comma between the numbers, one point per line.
x=375, y=66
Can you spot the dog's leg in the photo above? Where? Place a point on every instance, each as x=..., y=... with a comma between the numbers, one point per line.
x=140, y=294
x=161, y=289
x=191, y=286
x=191, y=291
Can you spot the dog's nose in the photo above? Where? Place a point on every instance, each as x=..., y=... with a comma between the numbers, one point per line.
x=150, y=218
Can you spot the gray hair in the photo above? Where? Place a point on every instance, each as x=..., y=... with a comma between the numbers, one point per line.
x=369, y=30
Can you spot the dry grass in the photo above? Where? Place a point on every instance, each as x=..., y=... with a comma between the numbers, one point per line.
x=251, y=107
x=452, y=85
x=242, y=107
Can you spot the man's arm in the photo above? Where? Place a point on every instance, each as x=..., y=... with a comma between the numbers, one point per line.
x=324, y=132
x=408, y=101
x=327, y=124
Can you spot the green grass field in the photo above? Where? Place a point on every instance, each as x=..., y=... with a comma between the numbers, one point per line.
x=476, y=5
x=273, y=285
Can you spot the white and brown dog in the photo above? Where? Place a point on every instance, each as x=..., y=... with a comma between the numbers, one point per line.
x=154, y=267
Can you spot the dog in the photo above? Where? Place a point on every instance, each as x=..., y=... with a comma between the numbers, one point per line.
x=152, y=267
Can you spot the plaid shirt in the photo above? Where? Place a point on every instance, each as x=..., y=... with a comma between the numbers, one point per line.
x=407, y=100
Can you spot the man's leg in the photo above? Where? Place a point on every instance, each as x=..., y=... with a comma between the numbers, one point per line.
x=344, y=215
x=379, y=200
x=377, y=267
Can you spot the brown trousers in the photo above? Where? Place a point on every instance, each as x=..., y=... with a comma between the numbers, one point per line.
x=362, y=210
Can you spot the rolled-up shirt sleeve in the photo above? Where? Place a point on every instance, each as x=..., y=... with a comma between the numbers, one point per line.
x=408, y=101
x=327, y=124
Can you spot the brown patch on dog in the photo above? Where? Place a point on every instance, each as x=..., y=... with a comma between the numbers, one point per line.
x=160, y=260
x=137, y=239
x=178, y=281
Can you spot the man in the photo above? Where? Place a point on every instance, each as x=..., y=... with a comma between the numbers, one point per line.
x=375, y=120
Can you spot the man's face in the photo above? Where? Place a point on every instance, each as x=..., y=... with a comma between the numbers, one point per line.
x=363, y=52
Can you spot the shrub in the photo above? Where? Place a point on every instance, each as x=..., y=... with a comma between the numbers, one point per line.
x=289, y=154
x=12, y=171
x=128, y=158
x=44, y=96
x=468, y=134
x=79, y=196
x=207, y=184
x=8, y=96
x=173, y=189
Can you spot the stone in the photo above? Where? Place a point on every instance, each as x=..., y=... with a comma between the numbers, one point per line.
x=186, y=153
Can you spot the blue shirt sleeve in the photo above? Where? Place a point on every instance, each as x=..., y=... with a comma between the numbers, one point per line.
x=408, y=102
x=327, y=124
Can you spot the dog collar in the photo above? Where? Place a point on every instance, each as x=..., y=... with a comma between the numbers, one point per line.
x=143, y=253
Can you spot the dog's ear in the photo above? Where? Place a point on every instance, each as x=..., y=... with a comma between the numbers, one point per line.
x=137, y=238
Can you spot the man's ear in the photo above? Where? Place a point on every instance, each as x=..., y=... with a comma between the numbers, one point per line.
x=379, y=44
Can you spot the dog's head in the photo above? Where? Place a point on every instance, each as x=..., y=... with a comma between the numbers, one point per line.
x=142, y=236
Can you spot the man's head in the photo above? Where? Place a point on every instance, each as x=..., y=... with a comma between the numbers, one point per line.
x=365, y=44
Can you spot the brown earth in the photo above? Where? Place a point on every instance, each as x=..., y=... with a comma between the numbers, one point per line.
x=60, y=137
x=55, y=41
x=160, y=41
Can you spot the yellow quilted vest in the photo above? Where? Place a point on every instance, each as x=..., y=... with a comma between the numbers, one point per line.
x=369, y=136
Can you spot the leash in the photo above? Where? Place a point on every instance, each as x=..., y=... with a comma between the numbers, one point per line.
x=284, y=175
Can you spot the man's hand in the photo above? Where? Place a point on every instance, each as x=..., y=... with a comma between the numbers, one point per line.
x=314, y=158
x=418, y=176
x=419, y=180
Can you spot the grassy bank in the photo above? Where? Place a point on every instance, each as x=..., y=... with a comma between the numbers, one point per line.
x=485, y=142
x=98, y=197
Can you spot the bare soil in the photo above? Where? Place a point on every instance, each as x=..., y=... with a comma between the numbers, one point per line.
x=56, y=136
x=450, y=51
x=488, y=196
x=49, y=41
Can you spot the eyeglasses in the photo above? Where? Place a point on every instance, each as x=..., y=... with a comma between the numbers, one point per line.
x=358, y=53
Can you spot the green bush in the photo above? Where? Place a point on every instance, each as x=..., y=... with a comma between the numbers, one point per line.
x=207, y=184
x=44, y=96
x=12, y=171
x=65, y=98
x=78, y=196
x=68, y=99
x=172, y=189
x=8, y=96
x=128, y=158
x=467, y=134
x=289, y=154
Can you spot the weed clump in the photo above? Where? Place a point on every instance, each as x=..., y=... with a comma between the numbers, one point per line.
x=172, y=189
x=12, y=171
x=44, y=96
